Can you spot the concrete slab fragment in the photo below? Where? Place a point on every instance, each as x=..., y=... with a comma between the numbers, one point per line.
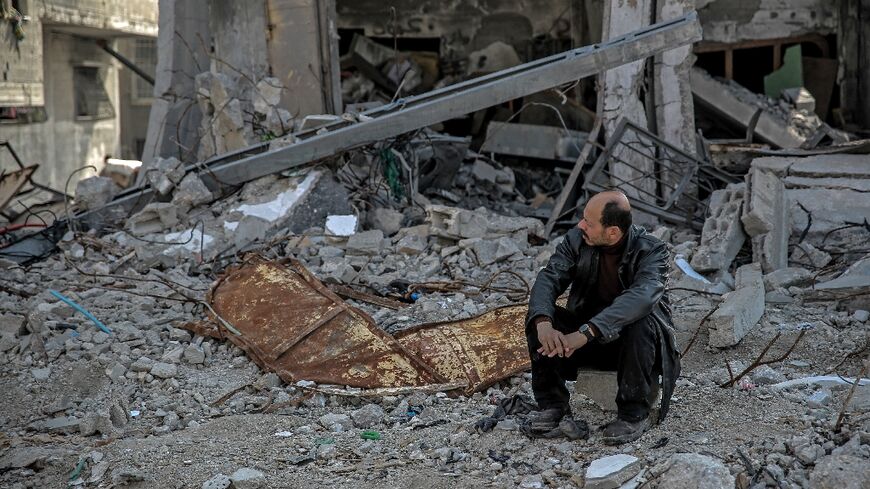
x=722, y=236
x=611, y=472
x=741, y=309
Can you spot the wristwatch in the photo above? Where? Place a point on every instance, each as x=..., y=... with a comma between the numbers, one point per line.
x=586, y=331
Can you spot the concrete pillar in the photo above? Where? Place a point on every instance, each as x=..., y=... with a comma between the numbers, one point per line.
x=239, y=31
x=182, y=42
x=303, y=52
x=621, y=98
x=675, y=111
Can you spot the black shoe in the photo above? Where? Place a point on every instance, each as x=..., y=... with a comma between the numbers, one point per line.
x=622, y=431
x=546, y=419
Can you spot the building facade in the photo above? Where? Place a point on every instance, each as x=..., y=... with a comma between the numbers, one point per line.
x=65, y=102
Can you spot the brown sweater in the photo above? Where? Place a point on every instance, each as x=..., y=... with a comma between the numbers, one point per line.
x=608, y=272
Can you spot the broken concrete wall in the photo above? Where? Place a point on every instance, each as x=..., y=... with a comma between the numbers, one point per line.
x=301, y=35
x=833, y=189
x=476, y=22
x=740, y=20
x=722, y=236
x=239, y=39
x=766, y=219
x=174, y=119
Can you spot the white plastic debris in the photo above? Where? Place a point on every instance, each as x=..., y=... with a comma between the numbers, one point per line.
x=341, y=225
x=681, y=262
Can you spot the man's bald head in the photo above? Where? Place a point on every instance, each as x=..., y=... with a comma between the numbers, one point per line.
x=606, y=218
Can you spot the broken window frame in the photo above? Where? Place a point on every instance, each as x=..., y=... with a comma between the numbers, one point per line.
x=91, y=94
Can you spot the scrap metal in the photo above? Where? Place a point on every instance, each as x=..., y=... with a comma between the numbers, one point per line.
x=292, y=324
x=682, y=180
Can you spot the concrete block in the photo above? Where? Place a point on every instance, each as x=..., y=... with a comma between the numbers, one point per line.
x=722, y=237
x=787, y=277
x=191, y=192
x=154, y=218
x=766, y=219
x=599, y=386
x=801, y=98
x=387, y=220
x=366, y=243
x=95, y=192
x=807, y=255
x=740, y=310
x=268, y=95
x=162, y=174
x=122, y=172
x=612, y=471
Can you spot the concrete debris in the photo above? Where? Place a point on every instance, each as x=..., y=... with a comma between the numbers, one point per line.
x=122, y=172
x=599, y=386
x=800, y=98
x=808, y=256
x=154, y=218
x=191, y=192
x=840, y=472
x=766, y=219
x=611, y=472
x=832, y=189
x=693, y=470
x=248, y=478
x=162, y=174
x=722, y=237
x=740, y=310
x=95, y=192
x=456, y=223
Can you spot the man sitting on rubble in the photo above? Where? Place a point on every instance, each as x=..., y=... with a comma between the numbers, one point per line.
x=617, y=318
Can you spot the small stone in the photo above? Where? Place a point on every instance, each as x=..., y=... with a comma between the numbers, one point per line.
x=532, y=482
x=367, y=416
x=808, y=454
x=841, y=472
x=194, y=355
x=220, y=481
x=41, y=373
x=247, y=478
x=819, y=399
x=95, y=423
x=336, y=422
x=142, y=364
x=164, y=370
x=861, y=316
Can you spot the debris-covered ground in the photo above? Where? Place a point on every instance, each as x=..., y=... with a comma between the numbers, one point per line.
x=153, y=405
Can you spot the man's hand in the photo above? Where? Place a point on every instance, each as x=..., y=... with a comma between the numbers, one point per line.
x=576, y=340
x=552, y=342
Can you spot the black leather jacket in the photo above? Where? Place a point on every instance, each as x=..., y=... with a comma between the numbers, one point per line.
x=643, y=273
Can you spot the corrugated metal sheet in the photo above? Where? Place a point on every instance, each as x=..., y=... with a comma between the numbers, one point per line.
x=291, y=324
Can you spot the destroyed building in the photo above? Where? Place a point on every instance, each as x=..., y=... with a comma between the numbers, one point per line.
x=296, y=241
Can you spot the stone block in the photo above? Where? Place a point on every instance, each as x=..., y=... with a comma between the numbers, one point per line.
x=366, y=243
x=163, y=174
x=154, y=218
x=95, y=192
x=191, y=192
x=807, y=255
x=491, y=251
x=740, y=309
x=722, y=237
x=599, y=386
x=611, y=472
x=766, y=218
x=411, y=245
x=247, y=478
x=694, y=470
x=387, y=220
x=787, y=277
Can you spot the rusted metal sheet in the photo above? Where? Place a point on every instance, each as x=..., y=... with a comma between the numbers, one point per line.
x=290, y=323
x=480, y=351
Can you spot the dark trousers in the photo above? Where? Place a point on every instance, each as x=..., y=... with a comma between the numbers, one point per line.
x=634, y=356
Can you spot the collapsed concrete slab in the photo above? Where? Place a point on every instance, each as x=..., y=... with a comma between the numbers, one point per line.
x=740, y=310
x=726, y=100
x=766, y=219
x=833, y=189
x=722, y=237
